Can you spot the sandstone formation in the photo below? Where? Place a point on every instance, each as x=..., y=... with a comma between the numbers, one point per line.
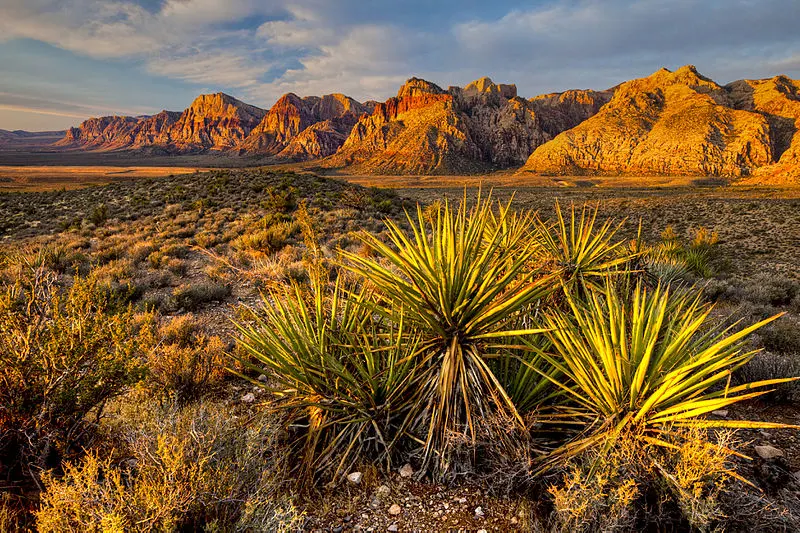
x=778, y=100
x=561, y=111
x=106, y=133
x=292, y=115
x=668, y=123
x=427, y=130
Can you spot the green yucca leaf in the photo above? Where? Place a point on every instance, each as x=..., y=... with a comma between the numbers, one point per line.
x=581, y=252
x=646, y=360
x=461, y=278
x=346, y=379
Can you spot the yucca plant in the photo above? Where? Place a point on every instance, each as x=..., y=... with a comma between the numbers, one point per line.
x=647, y=364
x=460, y=278
x=582, y=252
x=346, y=378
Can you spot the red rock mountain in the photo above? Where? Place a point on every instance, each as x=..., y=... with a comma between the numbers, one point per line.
x=427, y=130
x=778, y=100
x=332, y=117
x=668, y=123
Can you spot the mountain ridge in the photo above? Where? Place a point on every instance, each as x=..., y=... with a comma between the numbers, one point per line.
x=668, y=123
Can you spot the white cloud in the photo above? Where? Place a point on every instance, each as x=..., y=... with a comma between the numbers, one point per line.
x=212, y=68
x=323, y=46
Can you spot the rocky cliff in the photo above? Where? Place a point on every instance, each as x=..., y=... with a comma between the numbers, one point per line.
x=292, y=115
x=427, y=130
x=778, y=100
x=668, y=123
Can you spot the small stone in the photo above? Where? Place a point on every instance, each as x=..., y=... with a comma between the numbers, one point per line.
x=479, y=512
x=514, y=521
x=722, y=413
x=462, y=501
x=262, y=378
x=406, y=471
x=383, y=491
x=249, y=397
x=768, y=452
x=354, y=477
x=395, y=509
x=365, y=516
x=482, y=531
x=347, y=519
x=375, y=503
x=392, y=527
x=337, y=529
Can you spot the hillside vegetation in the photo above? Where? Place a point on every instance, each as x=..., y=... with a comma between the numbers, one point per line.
x=259, y=351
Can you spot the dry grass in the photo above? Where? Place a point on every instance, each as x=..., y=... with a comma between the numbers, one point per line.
x=48, y=178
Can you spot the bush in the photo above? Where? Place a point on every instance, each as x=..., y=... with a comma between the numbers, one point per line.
x=63, y=353
x=198, y=468
x=191, y=297
x=615, y=489
x=185, y=362
x=640, y=362
x=346, y=383
x=782, y=337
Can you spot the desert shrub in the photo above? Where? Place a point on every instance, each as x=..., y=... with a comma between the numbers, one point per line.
x=10, y=513
x=598, y=491
x=771, y=289
x=267, y=240
x=782, y=336
x=630, y=484
x=462, y=281
x=141, y=250
x=205, y=467
x=192, y=296
x=642, y=361
x=99, y=215
x=767, y=366
x=64, y=351
x=185, y=362
x=345, y=381
x=280, y=200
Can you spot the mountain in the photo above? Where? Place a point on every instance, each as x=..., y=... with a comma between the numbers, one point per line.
x=427, y=130
x=778, y=100
x=667, y=123
x=332, y=117
x=104, y=133
x=562, y=111
x=21, y=141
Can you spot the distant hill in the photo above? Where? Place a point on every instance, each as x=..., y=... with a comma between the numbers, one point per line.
x=668, y=123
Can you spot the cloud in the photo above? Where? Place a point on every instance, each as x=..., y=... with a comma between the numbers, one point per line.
x=214, y=68
x=260, y=49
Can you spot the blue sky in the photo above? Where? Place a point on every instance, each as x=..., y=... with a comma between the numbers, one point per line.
x=65, y=60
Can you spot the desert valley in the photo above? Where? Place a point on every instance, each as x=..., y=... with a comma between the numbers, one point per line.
x=460, y=309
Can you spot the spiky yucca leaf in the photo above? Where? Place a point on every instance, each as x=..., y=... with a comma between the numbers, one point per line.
x=582, y=253
x=460, y=277
x=347, y=380
x=646, y=363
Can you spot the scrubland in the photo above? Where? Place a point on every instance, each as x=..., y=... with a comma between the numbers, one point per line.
x=251, y=350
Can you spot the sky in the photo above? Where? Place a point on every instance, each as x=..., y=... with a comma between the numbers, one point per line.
x=62, y=61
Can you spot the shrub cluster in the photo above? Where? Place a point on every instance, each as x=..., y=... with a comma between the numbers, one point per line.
x=479, y=314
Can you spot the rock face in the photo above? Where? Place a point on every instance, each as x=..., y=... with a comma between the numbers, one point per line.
x=105, y=133
x=212, y=122
x=778, y=100
x=668, y=123
x=562, y=111
x=332, y=117
x=427, y=130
